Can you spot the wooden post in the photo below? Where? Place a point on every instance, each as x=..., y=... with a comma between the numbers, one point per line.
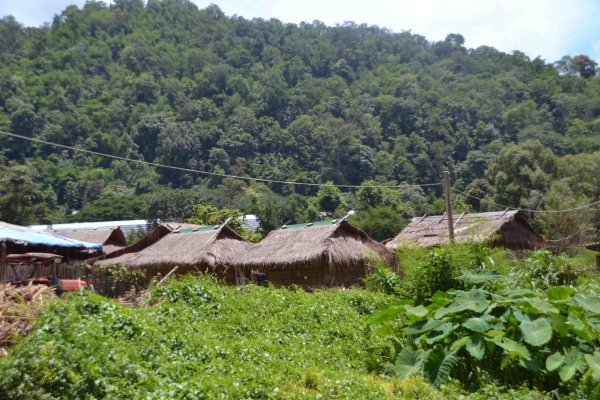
x=4, y=263
x=448, y=205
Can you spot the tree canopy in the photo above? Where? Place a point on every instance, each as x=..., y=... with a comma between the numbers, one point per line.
x=166, y=82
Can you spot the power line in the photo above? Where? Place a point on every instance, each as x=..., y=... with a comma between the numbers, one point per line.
x=526, y=210
x=204, y=172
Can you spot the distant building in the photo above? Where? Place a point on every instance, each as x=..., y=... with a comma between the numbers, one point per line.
x=251, y=222
x=126, y=226
x=203, y=249
x=16, y=239
x=501, y=229
x=318, y=254
x=111, y=238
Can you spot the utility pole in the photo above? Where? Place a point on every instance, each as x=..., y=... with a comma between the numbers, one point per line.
x=448, y=206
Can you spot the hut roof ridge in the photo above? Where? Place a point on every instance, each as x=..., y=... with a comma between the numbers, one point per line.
x=430, y=231
x=470, y=215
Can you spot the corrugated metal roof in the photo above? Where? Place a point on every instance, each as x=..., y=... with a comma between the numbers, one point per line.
x=21, y=235
x=89, y=225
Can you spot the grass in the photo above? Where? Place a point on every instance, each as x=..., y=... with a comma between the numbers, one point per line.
x=203, y=341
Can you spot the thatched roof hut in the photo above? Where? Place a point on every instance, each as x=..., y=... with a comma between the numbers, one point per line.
x=148, y=239
x=502, y=229
x=326, y=253
x=192, y=249
x=111, y=238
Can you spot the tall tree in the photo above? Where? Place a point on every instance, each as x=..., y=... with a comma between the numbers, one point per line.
x=21, y=200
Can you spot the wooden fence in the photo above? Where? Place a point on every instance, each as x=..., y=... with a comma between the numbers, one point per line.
x=103, y=283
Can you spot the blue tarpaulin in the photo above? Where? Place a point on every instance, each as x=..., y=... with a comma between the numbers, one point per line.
x=21, y=235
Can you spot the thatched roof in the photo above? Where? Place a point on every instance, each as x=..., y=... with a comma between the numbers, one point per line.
x=504, y=228
x=147, y=240
x=332, y=243
x=173, y=226
x=112, y=238
x=201, y=247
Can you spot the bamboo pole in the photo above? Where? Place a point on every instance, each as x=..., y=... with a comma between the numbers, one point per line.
x=168, y=275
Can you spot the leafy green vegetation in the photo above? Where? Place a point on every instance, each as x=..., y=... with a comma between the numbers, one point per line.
x=195, y=338
x=200, y=340
x=492, y=318
x=516, y=337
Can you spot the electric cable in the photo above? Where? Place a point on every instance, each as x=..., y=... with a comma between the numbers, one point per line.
x=206, y=172
x=526, y=210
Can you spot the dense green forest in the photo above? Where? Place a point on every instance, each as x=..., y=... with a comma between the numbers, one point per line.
x=351, y=104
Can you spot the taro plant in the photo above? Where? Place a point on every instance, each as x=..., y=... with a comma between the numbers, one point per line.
x=516, y=338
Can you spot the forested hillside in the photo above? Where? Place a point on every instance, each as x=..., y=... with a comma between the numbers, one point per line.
x=166, y=82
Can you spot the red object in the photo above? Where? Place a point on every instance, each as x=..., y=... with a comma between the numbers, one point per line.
x=69, y=285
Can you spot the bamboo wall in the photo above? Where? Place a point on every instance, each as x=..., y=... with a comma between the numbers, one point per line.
x=318, y=277
x=104, y=285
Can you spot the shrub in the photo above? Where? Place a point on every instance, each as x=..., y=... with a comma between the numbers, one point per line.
x=516, y=338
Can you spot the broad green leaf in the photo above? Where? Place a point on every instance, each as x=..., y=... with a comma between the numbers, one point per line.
x=422, y=326
x=477, y=324
x=554, y=361
x=575, y=322
x=473, y=300
x=579, y=327
x=438, y=365
x=590, y=303
x=574, y=362
x=497, y=297
x=523, y=317
x=493, y=334
x=476, y=346
x=385, y=330
x=559, y=323
x=440, y=332
x=459, y=343
x=388, y=313
x=409, y=362
x=560, y=293
x=497, y=326
x=477, y=276
x=541, y=305
x=418, y=311
x=593, y=360
x=441, y=299
x=594, y=325
x=535, y=364
x=536, y=333
x=519, y=293
x=514, y=348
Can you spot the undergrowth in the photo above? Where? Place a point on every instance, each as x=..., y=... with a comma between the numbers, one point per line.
x=200, y=340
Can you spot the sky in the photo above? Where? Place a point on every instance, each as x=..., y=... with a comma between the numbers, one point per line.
x=550, y=29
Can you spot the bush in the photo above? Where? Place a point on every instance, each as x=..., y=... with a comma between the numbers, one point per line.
x=438, y=272
x=516, y=338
